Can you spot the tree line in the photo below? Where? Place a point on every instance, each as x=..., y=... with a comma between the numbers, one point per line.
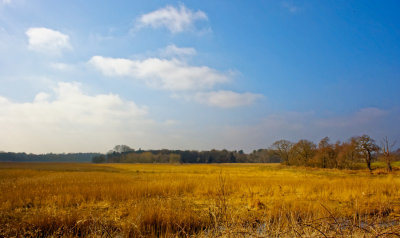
x=342, y=155
x=24, y=157
x=349, y=154
x=124, y=154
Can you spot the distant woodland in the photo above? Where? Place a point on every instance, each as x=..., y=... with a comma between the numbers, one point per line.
x=356, y=152
x=127, y=155
x=24, y=157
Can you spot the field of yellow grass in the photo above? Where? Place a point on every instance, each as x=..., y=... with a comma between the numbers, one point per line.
x=224, y=200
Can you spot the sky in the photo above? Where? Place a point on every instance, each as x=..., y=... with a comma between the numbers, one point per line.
x=83, y=76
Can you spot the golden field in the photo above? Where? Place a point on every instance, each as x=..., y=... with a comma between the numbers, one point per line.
x=207, y=200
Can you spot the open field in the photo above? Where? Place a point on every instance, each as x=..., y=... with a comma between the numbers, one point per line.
x=226, y=200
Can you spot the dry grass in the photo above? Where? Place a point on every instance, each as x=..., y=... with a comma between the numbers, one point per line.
x=229, y=200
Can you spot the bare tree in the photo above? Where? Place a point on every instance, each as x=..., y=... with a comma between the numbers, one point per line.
x=367, y=147
x=282, y=148
x=122, y=149
x=348, y=153
x=303, y=151
x=387, y=147
x=325, y=156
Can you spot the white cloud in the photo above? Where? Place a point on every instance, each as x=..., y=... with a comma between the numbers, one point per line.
x=47, y=41
x=68, y=120
x=173, y=50
x=226, y=99
x=5, y=1
x=166, y=74
x=41, y=97
x=174, y=19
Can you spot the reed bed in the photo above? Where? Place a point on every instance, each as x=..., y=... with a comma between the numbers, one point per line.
x=217, y=200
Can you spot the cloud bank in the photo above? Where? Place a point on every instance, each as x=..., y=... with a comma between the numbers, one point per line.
x=67, y=119
x=307, y=125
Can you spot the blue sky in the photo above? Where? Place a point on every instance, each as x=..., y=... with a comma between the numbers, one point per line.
x=86, y=75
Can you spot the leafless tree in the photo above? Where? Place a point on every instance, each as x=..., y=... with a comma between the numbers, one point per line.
x=282, y=148
x=367, y=147
x=386, y=147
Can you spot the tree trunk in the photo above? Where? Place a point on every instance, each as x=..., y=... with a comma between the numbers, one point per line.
x=369, y=165
x=389, y=166
x=369, y=161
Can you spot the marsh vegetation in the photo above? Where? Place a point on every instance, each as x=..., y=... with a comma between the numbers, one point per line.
x=202, y=200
